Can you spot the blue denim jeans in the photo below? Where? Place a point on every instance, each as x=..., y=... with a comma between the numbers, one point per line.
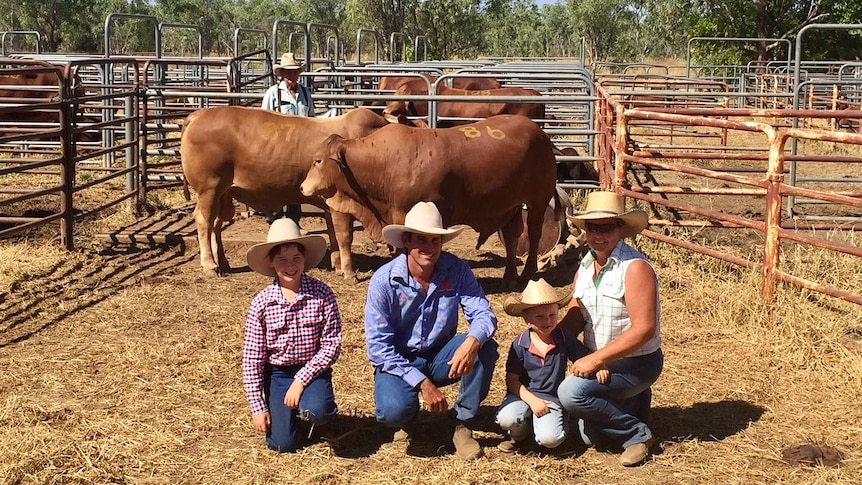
x=316, y=406
x=398, y=404
x=607, y=409
x=516, y=417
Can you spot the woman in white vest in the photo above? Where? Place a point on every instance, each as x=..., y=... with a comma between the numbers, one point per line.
x=616, y=304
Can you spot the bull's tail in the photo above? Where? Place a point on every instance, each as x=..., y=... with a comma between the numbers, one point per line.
x=186, y=193
x=186, y=123
x=562, y=204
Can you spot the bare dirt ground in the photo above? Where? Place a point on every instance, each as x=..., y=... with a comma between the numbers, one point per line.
x=122, y=365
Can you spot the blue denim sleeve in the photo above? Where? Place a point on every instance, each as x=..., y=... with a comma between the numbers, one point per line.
x=380, y=333
x=477, y=309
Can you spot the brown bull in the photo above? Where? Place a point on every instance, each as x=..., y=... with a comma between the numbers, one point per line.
x=478, y=174
x=392, y=83
x=475, y=83
x=34, y=87
x=259, y=158
x=534, y=111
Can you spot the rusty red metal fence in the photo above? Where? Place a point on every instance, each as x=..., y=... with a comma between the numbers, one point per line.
x=735, y=178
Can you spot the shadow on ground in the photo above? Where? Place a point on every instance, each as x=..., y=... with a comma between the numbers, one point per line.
x=37, y=301
x=703, y=421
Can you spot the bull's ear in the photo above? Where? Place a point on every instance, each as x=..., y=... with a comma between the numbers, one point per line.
x=411, y=108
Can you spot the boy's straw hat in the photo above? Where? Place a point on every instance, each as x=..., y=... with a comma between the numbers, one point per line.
x=537, y=293
x=283, y=231
x=423, y=218
x=609, y=205
x=289, y=62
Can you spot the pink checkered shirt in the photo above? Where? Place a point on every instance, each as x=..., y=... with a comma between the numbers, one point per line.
x=304, y=332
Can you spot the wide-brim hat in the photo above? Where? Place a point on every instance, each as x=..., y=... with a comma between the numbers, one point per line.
x=283, y=231
x=423, y=218
x=537, y=293
x=609, y=205
x=289, y=62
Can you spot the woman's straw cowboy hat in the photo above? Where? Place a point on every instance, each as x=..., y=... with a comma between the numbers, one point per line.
x=283, y=231
x=289, y=62
x=609, y=205
x=538, y=292
x=423, y=218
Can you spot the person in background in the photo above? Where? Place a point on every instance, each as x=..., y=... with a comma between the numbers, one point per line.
x=289, y=97
x=292, y=338
x=616, y=304
x=535, y=368
x=411, y=321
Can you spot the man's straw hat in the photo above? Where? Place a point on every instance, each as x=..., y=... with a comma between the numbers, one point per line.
x=283, y=231
x=537, y=293
x=423, y=218
x=609, y=205
x=289, y=62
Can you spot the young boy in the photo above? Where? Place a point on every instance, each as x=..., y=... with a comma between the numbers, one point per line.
x=535, y=368
x=292, y=338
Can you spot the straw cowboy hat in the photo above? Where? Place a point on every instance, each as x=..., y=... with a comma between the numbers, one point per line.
x=538, y=292
x=609, y=205
x=283, y=231
x=287, y=62
x=423, y=218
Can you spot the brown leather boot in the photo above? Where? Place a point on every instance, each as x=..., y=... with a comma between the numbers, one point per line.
x=466, y=447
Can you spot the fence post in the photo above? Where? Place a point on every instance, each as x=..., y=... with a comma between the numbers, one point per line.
x=772, y=247
x=622, y=140
x=67, y=175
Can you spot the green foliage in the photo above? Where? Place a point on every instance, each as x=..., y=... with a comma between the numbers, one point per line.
x=614, y=30
x=604, y=25
x=453, y=27
x=513, y=31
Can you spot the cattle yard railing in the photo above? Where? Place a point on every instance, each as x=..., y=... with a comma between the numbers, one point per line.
x=52, y=143
x=33, y=127
x=698, y=187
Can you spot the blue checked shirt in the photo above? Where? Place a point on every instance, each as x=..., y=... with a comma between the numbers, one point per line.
x=603, y=303
x=304, y=332
x=402, y=319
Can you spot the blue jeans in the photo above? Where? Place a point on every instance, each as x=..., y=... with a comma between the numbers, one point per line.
x=607, y=409
x=398, y=404
x=516, y=417
x=316, y=406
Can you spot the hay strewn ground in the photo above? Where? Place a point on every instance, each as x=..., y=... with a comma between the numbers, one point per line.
x=121, y=365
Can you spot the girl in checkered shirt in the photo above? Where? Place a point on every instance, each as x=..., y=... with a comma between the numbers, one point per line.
x=292, y=338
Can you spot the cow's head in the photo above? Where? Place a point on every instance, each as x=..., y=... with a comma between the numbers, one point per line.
x=326, y=167
x=400, y=107
x=404, y=120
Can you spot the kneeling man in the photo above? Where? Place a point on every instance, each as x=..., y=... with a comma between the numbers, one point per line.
x=411, y=319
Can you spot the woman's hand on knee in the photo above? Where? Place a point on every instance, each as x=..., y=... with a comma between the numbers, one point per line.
x=587, y=366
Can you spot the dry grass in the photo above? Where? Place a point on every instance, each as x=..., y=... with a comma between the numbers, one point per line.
x=122, y=365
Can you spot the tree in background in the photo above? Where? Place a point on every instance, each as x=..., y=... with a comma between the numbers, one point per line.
x=556, y=34
x=776, y=19
x=453, y=28
x=513, y=29
x=382, y=16
x=604, y=25
x=213, y=17
x=664, y=27
x=614, y=30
